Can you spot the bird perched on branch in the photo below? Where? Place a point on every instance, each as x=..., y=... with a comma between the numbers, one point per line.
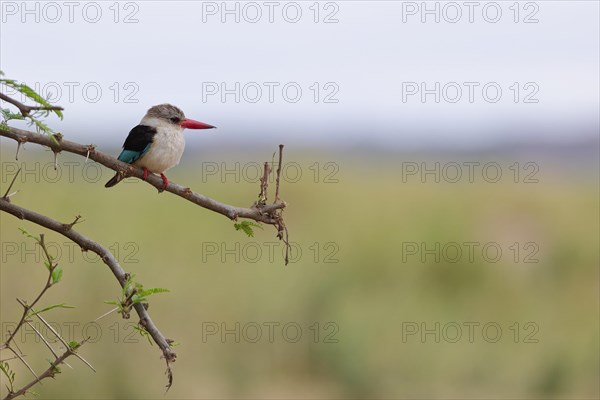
x=157, y=143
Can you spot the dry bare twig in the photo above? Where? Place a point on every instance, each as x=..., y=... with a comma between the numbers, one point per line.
x=260, y=214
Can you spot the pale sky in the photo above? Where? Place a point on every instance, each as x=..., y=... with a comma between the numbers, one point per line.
x=315, y=73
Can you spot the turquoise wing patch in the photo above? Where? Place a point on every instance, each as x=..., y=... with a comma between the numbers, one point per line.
x=130, y=156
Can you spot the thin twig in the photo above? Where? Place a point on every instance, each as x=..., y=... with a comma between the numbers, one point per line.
x=18, y=348
x=278, y=174
x=63, y=341
x=23, y=361
x=6, y=195
x=45, y=341
x=75, y=222
x=106, y=313
x=27, y=307
x=49, y=373
x=8, y=359
x=264, y=184
x=25, y=110
x=286, y=240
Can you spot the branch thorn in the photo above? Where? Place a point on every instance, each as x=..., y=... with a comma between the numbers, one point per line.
x=7, y=195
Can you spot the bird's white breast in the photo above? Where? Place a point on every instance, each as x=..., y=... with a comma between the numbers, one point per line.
x=166, y=149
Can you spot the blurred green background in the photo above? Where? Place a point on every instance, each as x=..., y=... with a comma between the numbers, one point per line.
x=376, y=319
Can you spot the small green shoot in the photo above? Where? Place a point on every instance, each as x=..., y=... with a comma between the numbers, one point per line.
x=132, y=293
x=246, y=227
x=10, y=375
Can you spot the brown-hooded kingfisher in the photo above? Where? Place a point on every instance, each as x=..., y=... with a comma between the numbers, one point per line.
x=157, y=143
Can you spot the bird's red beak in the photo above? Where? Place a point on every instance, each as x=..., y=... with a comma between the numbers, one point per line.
x=191, y=124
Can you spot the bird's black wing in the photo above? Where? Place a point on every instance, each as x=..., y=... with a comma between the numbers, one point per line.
x=137, y=143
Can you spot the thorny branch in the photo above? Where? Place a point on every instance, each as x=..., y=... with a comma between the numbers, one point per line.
x=49, y=373
x=105, y=255
x=25, y=109
x=260, y=212
x=265, y=214
x=29, y=311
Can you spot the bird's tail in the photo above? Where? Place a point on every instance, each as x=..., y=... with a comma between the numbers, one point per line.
x=114, y=180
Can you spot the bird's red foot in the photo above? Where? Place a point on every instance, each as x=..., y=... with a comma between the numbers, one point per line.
x=145, y=173
x=165, y=181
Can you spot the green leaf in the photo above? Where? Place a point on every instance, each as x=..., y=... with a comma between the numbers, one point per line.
x=246, y=227
x=34, y=116
x=27, y=91
x=143, y=332
x=24, y=232
x=7, y=115
x=40, y=126
x=147, y=292
x=73, y=345
x=142, y=293
x=129, y=285
x=57, y=273
x=10, y=375
x=55, y=368
x=61, y=305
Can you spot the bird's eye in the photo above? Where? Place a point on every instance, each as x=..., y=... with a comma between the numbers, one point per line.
x=175, y=120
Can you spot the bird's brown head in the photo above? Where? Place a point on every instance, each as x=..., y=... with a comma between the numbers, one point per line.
x=174, y=115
